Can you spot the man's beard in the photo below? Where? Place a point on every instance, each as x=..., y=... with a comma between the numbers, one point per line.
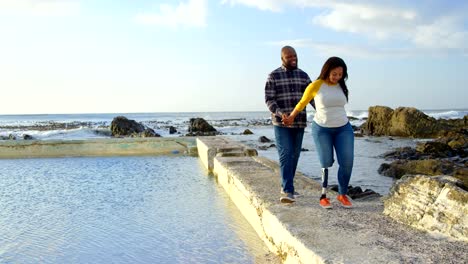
x=290, y=67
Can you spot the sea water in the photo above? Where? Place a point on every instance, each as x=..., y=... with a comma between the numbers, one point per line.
x=368, y=150
x=119, y=210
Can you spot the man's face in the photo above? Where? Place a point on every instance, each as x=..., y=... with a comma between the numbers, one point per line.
x=289, y=59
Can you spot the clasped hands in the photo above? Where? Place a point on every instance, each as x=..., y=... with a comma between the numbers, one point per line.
x=287, y=120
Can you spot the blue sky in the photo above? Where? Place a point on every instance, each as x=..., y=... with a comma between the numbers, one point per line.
x=86, y=56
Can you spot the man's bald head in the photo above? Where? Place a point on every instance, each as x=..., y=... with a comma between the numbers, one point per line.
x=289, y=57
x=287, y=48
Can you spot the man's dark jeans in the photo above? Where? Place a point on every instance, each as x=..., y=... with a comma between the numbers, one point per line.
x=289, y=145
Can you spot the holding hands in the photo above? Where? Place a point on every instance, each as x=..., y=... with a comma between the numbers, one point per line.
x=287, y=120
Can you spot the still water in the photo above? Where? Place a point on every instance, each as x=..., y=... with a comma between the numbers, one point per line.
x=119, y=210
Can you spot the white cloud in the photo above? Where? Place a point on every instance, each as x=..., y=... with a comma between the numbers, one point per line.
x=270, y=5
x=445, y=33
x=416, y=23
x=376, y=21
x=191, y=14
x=345, y=50
x=40, y=7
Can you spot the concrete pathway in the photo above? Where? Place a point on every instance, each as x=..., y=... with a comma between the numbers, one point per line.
x=303, y=232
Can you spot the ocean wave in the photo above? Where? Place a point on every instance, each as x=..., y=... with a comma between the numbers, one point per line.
x=359, y=114
x=449, y=114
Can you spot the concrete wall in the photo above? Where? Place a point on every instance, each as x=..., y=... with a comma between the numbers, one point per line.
x=97, y=147
x=303, y=232
x=209, y=147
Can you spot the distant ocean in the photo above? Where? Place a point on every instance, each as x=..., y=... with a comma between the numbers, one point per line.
x=231, y=124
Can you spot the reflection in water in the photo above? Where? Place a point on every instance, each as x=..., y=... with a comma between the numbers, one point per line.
x=119, y=210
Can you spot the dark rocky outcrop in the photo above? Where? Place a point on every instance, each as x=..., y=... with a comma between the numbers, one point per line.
x=265, y=147
x=407, y=122
x=264, y=139
x=27, y=137
x=13, y=137
x=247, y=132
x=200, y=127
x=123, y=127
x=357, y=192
x=172, y=130
x=445, y=155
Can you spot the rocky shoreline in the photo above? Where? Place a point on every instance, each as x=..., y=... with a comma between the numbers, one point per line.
x=431, y=194
x=444, y=153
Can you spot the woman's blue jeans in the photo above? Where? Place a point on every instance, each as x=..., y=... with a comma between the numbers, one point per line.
x=289, y=145
x=342, y=140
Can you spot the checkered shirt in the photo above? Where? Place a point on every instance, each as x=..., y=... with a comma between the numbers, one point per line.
x=283, y=90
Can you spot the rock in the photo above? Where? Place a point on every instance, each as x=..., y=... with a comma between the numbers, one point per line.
x=378, y=116
x=121, y=127
x=304, y=149
x=27, y=137
x=200, y=125
x=357, y=193
x=435, y=149
x=399, y=168
x=11, y=137
x=457, y=140
x=264, y=139
x=247, y=132
x=434, y=204
x=402, y=153
x=172, y=130
x=406, y=122
x=148, y=132
x=462, y=175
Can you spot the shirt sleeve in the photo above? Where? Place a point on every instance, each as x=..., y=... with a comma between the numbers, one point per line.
x=270, y=96
x=309, y=94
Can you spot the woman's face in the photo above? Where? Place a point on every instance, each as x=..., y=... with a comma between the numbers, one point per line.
x=335, y=75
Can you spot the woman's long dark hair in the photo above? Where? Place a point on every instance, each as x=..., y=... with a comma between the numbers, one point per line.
x=330, y=64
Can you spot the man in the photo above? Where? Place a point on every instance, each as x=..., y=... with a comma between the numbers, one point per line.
x=283, y=90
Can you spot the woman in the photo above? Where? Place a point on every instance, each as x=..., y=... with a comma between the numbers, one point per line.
x=330, y=128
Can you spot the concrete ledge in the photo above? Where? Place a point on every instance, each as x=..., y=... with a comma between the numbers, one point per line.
x=210, y=147
x=303, y=232
x=97, y=147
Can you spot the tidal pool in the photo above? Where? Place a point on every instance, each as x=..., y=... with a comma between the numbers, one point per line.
x=119, y=210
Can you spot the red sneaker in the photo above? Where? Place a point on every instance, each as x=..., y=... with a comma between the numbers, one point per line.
x=325, y=203
x=344, y=201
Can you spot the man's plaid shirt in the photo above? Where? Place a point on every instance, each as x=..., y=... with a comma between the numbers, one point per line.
x=283, y=90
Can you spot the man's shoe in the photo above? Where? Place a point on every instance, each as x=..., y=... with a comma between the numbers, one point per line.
x=344, y=201
x=287, y=198
x=325, y=203
x=296, y=194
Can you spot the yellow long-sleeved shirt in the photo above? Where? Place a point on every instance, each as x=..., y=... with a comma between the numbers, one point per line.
x=329, y=103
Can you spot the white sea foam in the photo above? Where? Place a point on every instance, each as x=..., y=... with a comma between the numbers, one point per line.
x=449, y=114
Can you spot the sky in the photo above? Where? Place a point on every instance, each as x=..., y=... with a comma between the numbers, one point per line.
x=128, y=56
